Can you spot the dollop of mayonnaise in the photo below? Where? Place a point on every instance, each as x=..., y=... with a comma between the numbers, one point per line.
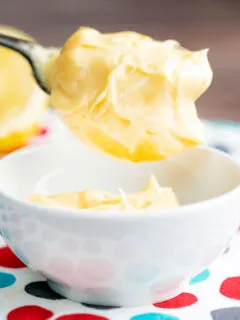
x=129, y=95
x=151, y=197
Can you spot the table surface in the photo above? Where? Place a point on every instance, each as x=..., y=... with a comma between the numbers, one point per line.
x=213, y=24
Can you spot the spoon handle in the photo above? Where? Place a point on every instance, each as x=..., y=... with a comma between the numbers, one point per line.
x=28, y=50
x=22, y=46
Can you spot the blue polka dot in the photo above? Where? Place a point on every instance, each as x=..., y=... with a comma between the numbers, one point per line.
x=6, y=279
x=222, y=147
x=232, y=313
x=154, y=316
x=204, y=275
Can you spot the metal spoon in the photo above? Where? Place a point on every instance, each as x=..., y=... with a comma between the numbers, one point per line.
x=37, y=56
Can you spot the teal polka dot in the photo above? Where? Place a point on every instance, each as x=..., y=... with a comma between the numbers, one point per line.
x=142, y=272
x=154, y=316
x=204, y=275
x=6, y=279
x=227, y=123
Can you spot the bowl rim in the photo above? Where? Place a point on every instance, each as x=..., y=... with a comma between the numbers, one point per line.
x=91, y=213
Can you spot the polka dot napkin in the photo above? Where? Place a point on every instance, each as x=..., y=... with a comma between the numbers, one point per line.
x=214, y=294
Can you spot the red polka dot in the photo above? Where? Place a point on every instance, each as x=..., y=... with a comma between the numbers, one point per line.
x=181, y=301
x=44, y=131
x=29, y=313
x=81, y=316
x=9, y=260
x=230, y=288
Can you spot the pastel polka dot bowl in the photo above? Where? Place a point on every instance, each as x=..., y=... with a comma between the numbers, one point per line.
x=118, y=258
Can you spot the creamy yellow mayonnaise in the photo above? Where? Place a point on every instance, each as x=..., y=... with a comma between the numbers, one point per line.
x=129, y=95
x=151, y=197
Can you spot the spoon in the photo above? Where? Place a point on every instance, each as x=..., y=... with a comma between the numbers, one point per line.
x=38, y=57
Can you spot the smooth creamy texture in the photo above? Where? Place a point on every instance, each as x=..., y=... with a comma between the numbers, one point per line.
x=22, y=102
x=129, y=95
x=151, y=197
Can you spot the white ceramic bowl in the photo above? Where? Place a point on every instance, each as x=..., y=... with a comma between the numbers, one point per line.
x=118, y=258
